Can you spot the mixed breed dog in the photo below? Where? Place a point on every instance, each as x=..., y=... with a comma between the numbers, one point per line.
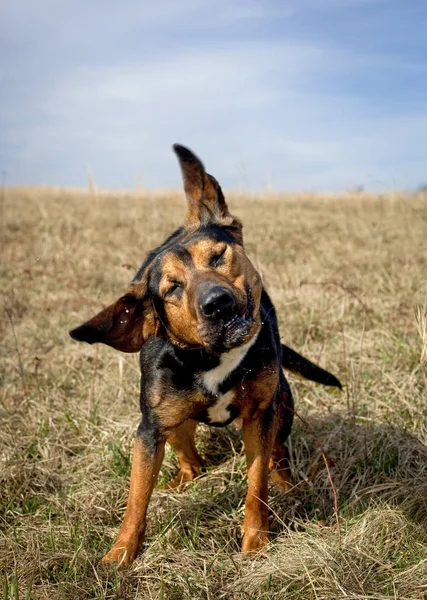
x=210, y=352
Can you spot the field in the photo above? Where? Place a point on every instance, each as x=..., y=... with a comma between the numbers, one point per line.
x=348, y=276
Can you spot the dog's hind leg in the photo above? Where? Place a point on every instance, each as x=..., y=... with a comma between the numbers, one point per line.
x=280, y=471
x=181, y=439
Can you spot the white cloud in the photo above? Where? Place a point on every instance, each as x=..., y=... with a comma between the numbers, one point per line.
x=122, y=109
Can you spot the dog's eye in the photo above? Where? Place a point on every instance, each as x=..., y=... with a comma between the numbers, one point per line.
x=217, y=259
x=176, y=286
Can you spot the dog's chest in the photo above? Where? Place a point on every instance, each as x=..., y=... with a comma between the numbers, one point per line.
x=222, y=410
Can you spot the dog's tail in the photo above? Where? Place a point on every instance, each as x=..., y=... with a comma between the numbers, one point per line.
x=292, y=361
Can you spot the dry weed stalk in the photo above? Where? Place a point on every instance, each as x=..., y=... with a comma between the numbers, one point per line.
x=328, y=471
x=421, y=321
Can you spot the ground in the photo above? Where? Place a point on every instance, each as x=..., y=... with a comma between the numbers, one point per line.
x=348, y=276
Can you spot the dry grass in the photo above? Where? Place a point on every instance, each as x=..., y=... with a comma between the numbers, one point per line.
x=347, y=275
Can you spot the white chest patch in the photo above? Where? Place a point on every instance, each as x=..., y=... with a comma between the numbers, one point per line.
x=218, y=413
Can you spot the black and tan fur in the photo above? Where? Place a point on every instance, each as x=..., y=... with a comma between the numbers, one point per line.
x=210, y=353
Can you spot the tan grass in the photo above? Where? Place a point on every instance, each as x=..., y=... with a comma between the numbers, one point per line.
x=346, y=273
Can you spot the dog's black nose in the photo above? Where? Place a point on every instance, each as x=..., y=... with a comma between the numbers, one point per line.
x=217, y=302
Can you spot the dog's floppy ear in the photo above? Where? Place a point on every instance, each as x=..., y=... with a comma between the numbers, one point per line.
x=124, y=325
x=206, y=202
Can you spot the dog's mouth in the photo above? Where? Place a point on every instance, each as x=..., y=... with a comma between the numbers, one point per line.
x=233, y=331
x=237, y=331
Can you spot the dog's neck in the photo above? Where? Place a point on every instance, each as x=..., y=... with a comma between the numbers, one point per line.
x=228, y=362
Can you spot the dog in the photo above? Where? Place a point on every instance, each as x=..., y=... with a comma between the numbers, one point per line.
x=210, y=352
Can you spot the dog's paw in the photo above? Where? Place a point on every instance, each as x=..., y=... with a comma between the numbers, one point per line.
x=121, y=555
x=182, y=478
x=281, y=478
x=254, y=541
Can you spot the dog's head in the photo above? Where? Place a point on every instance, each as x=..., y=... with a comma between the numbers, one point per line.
x=198, y=288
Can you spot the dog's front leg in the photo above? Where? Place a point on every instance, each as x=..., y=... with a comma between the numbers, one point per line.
x=258, y=439
x=146, y=462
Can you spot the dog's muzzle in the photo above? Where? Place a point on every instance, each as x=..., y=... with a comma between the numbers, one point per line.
x=226, y=323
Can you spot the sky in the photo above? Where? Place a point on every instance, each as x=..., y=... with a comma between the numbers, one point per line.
x=282, y=94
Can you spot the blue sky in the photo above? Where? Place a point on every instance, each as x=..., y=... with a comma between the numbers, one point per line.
x=293, y=94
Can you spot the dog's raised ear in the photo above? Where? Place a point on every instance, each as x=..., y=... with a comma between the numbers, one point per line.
x=124, y=325
x=206, y=202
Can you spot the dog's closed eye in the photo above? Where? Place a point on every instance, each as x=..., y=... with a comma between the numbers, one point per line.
x=217, y=259
x=175, y=288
